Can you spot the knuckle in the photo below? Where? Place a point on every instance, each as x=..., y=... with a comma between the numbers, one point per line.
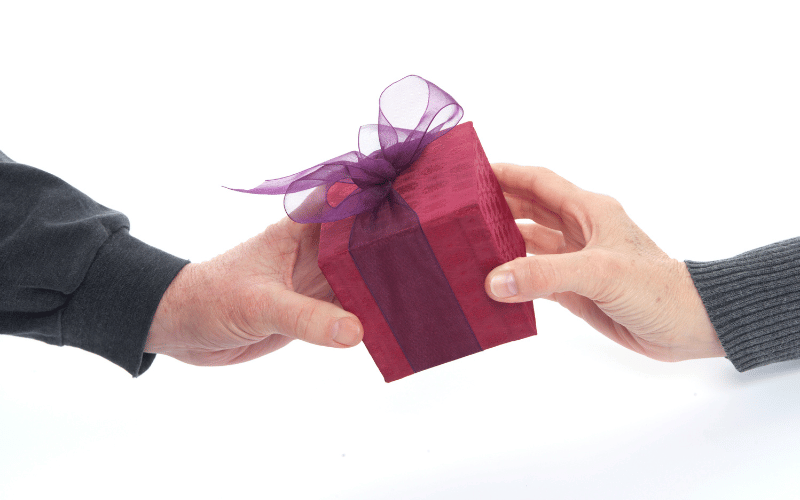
x=535, y=276
x=259, y=312
x=605, y=273
x=534, y=175
x=578, y=217
x=302, y=323
x=610, y=204
x=574, y=207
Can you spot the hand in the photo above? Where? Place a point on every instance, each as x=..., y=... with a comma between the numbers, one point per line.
x=593, y=260
x=252, y=300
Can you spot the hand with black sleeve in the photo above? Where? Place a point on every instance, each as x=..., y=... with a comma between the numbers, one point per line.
x=71, y=274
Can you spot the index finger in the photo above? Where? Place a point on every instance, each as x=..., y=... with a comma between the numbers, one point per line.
x=551, y=190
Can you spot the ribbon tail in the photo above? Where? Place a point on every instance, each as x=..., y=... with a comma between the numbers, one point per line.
x=284, y=185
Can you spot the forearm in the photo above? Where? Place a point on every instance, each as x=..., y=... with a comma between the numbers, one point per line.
x=71, y=274
x=753, y=301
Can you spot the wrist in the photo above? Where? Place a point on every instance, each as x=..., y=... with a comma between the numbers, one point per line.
x=702, y=336
x=166, y=325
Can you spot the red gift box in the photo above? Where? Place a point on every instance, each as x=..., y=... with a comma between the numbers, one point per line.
x=471, y=231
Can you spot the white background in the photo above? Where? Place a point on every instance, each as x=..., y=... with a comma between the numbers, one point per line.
x=688, y=112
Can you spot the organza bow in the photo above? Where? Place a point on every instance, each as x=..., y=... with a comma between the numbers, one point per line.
x=412, y=113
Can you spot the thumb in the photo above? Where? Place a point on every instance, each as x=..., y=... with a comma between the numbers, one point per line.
x=314, y=321
x=526, y=278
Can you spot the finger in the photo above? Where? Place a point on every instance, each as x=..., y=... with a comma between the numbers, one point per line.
x=306, y=235
x=553, y=191
x=526, y=208
x=588, y=273
x=541, y=240
x=311, y=320
x=530, y=209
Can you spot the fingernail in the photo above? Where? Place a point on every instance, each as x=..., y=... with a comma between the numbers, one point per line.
x=347, y=331
x=503, y=285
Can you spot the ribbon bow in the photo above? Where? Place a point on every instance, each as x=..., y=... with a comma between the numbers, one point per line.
x=413, y=112
x=401, y=271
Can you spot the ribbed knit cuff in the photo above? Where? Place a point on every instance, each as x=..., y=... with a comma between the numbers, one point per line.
x=753, y=301
x=110, y=314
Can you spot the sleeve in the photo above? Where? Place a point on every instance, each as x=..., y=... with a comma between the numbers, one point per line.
x=70, y=272
x=753, y=301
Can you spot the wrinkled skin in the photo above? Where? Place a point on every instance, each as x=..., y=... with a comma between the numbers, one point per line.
x=252, y=300
x=592, y=259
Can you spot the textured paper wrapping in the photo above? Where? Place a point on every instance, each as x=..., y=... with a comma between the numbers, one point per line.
x=470, y=228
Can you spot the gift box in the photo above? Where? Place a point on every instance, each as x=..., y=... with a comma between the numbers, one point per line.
x=412, y=224
x=469, y=228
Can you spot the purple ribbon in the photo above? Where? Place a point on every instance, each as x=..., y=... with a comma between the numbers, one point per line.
x=401, y=271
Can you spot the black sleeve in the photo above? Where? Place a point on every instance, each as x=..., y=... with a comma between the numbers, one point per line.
x=753, y=301
x=71, y=274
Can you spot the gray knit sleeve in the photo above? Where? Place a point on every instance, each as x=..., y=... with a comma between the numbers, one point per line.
x=753, y=301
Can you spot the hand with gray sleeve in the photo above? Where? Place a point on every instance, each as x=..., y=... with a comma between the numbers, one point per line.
x=593, y=260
